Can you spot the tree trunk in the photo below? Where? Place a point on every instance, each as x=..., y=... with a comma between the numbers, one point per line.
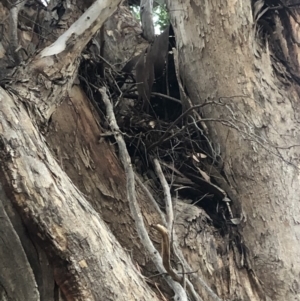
x=67, y=215
x=254, y=84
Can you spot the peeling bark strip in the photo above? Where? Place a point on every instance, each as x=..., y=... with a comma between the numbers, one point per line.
x=150, y=66
x=84, y=28
x=146, y=9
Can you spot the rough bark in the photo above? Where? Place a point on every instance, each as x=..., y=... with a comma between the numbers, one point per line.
x=53, y=210
x=221, y=58
x=65, y=183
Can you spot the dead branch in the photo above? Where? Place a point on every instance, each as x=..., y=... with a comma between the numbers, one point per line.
x=178, y=120
x=166, y=97
x=57, y=64
x=151, y=198
x=146, y=8
x=166, y=247
x=13, y=27
x=167, y=195
x=180, y=294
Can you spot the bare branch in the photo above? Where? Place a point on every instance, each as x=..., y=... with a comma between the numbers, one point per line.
x=81, y=31
x=146, y=8
x=131, y=195
x=166, y=96
x=166, y=242
x=167, y=195
x=151, y=198
x=56, y=66
x=13, y=28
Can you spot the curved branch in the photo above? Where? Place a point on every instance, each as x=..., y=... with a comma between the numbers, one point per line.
x=167, y=195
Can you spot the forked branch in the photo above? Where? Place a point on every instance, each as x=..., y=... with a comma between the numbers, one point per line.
x=180, y=294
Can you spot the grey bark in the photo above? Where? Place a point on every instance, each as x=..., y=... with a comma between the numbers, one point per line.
x=53, y=210
x=57, y=214
x=221, y=58
x=146, y=9
x=16, y=278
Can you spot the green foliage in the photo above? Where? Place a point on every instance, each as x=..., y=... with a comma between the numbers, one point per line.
x=162, y=20
x=160, y=16
x=136, y=11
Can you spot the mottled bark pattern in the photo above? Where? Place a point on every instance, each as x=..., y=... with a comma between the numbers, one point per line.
x=66, y=188
x=220, y=57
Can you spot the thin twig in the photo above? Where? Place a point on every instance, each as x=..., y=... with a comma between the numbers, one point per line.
x=169, y=209
x=177, y=121
x=167, y=195
x=151, y=198
x=166, y=96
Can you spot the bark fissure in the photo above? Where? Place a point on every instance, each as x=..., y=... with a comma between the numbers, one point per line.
x=50, y=206
x=248, y=251
x=251, y=165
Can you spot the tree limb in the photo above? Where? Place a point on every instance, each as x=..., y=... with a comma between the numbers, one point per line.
x=167, y=196
x=146, y=8
x=55, y=67
x=13, y=28
x=180, y=294
x=79, y=245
